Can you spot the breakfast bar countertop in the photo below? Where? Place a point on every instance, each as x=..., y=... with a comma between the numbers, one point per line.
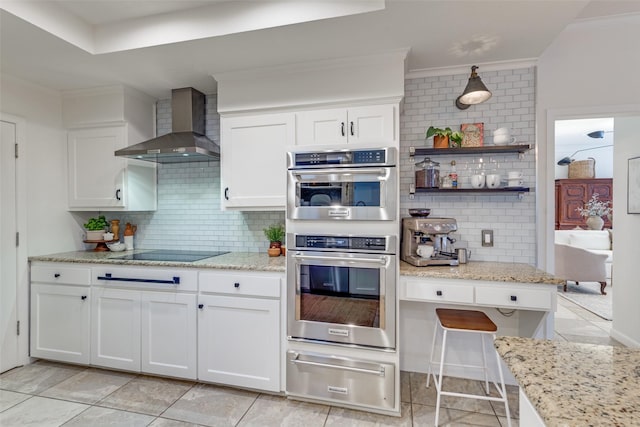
x=483, y=270
x=574, y=384
x=256, y=261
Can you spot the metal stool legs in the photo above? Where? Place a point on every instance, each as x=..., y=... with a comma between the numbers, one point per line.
x=501, y=388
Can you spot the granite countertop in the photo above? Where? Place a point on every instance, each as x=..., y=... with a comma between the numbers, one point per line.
x=257, y=261
x=490, y=271
x=572, y=384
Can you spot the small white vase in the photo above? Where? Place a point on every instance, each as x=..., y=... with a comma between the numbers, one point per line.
x=595, y=223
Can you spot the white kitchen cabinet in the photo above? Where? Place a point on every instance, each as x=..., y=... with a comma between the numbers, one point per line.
x=169, y=334
x=115, y=328
x=239, y=330
x=60, y=322
x=374, y=124
x=60, y=310
x=142, y=323
x=98, y=180
x=253, y=161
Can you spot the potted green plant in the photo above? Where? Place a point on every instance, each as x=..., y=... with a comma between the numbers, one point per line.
x=594, y=210
x=95, y=227
x=275, y=235
x=444, y=138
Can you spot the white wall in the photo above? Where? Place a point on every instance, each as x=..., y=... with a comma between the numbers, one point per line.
x=49, y=225
x=590, y=70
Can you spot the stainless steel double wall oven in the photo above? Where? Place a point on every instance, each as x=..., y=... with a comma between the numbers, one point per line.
x=342, y=246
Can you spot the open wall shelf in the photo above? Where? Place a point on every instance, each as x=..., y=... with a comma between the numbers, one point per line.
x=485, y=149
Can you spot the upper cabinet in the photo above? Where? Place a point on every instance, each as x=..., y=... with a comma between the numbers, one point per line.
x=368, y=125
x=253, y=161
x=99, y=180
x=99, y=122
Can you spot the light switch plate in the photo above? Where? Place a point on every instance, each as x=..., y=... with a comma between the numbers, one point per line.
x=487, y=237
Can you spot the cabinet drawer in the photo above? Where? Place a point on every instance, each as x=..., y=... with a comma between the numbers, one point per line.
x=240, y=284
x=438, y=292
x=516, y=298
x=170, y=279
x=52, y=273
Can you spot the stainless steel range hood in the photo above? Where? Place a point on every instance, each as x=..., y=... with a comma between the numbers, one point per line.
x=187, y=141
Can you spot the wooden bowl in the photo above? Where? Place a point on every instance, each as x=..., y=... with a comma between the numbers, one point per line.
x=420, y=212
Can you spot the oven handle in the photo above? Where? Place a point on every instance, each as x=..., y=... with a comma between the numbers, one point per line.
x=379, y=372
x=333, y=171
x=108, y=276
x=327, y=258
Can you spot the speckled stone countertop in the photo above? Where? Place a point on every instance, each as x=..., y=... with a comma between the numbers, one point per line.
x=490, y=271
x=257, y=261
x=572, y=384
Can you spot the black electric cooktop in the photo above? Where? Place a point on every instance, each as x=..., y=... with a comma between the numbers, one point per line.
x=171, y=255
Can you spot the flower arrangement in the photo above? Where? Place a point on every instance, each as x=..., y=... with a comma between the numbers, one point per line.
x=595, y=207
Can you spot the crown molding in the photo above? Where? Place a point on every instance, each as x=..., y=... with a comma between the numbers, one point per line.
x=465, y=69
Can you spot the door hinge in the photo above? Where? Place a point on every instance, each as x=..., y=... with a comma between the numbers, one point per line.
x=16, y=150
x=17, y=238
x=18, y=328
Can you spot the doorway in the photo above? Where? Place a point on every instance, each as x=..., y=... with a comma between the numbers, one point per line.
x=583, y=171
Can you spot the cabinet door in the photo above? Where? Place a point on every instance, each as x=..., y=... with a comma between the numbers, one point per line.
x=322, y=127
x=371, y=125
x=604, y=190
x=115, y=329
x=169, y=334
x=60, y=322
x=239, y=341
x=96, y=176
x=253, y=161
x=571, y=197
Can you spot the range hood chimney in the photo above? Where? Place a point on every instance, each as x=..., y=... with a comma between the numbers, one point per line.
x=187, y=141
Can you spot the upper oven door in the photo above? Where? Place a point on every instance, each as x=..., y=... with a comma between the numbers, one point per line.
x=358, y=193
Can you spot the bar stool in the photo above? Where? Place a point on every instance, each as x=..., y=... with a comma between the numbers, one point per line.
x=469, y=321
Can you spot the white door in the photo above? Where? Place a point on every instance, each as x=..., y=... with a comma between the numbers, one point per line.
x=8, y=260
x=169, y=334
x=372, y=125
x=239, y=341
x=115, y=328
x=60, y=322
x=322, y=127
x=96, y=176
x=252, y=144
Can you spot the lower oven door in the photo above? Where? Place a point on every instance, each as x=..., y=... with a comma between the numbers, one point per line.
x=342, y=297
x=341, y=379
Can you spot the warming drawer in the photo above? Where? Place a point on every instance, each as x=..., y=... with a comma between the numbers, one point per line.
x=340, y=379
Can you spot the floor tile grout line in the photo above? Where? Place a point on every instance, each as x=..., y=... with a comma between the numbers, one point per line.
x=248, y=409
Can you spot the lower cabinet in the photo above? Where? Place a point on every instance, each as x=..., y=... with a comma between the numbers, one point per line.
x=152, y=332
x=239, y=330
x=60, y=310
x=60, y=322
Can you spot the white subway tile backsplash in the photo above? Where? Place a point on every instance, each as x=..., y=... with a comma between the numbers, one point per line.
x=512, y=105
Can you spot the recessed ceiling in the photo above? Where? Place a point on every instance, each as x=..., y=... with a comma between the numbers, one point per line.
x=57, y=49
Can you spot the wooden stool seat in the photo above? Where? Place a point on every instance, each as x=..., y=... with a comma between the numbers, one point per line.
x=465, y=320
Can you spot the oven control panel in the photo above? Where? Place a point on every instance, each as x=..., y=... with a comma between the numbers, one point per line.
x=377, y=244
x=341, y=158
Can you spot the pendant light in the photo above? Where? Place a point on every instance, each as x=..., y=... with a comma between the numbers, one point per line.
x=475, y=92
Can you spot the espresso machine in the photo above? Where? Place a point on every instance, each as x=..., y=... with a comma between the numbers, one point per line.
x=428, y=231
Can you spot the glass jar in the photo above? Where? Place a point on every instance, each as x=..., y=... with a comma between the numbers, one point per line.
x=427, y=174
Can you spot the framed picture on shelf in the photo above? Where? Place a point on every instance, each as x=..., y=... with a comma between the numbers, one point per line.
x=633, y=186
x=473, y=134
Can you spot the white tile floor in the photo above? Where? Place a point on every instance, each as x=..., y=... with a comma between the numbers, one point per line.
x=53, y=394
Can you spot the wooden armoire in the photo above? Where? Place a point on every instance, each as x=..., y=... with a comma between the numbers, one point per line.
x=574, y=193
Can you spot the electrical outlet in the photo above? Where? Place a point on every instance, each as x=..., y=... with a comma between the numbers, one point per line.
x=487, y=237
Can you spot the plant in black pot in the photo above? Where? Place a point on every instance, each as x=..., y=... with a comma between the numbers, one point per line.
x=95, y=227
x=275, y=235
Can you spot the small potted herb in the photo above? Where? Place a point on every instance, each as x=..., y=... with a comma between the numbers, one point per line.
x=275, y=235
x=95, y=227
x=444, y=138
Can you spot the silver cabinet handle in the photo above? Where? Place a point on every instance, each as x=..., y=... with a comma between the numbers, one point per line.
x=379, y=372
x=326, y=258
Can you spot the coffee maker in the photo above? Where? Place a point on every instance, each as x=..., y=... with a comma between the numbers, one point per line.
x=428, y=231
